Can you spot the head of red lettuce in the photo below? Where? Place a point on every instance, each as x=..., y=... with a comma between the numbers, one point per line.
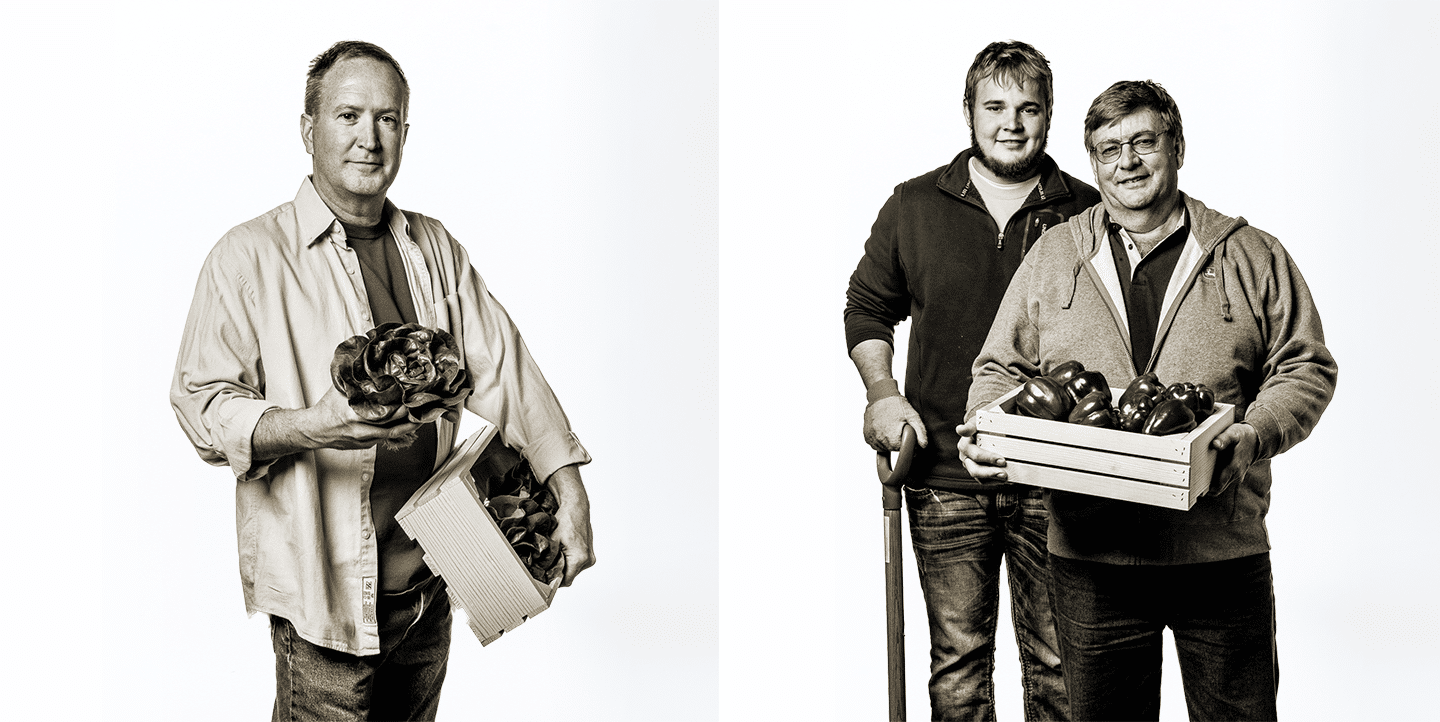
x=523, y=507
x=394, y=367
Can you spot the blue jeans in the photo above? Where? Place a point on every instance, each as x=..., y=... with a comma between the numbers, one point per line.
x=402, y=682
x=959, y=540
x=1222, y=615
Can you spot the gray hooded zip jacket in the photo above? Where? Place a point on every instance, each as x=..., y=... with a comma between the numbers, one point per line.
x=1243, y=323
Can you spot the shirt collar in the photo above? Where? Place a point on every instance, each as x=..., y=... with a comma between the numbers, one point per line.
x=317, y=221
x=1122, y=236
x=955, y=179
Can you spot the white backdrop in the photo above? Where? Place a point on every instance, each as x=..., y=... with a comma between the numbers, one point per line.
x=571, y=146
x=1318, y=126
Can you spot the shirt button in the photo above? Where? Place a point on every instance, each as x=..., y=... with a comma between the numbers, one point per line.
x=365, y=476
x=365, y=534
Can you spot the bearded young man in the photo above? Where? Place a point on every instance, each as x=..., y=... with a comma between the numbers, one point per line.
x=1154, y=281
x=359, y=624
x=942, y=252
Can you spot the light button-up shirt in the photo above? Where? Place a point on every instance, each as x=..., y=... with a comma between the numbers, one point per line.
x=274, y=298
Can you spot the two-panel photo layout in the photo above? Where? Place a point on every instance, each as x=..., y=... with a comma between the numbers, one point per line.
x=670, y=361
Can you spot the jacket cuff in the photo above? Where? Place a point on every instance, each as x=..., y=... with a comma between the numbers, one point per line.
x=858, y=332
x=238, y=418
x=1267, y=429
x=551, y=452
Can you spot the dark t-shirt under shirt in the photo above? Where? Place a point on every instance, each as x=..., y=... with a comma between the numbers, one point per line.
x=398, y=472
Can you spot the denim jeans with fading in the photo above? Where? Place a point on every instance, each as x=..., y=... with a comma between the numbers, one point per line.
x=402, y=682
x=1221, y=614
x=959, y=540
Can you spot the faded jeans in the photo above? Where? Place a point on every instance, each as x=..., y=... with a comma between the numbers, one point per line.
x=959, y=540
x=402, y=682
x=1222, y=615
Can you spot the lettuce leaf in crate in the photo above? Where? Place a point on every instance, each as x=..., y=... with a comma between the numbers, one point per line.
x=523, y=508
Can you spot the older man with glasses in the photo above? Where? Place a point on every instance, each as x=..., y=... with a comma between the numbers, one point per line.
x=1151, y=280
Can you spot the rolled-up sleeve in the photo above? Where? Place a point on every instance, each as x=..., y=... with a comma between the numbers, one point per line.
x=878, y=297
x=218, y=388
x=510, y=391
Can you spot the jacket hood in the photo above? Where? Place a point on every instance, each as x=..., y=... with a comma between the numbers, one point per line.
x=955, y=179
x=1211, y=229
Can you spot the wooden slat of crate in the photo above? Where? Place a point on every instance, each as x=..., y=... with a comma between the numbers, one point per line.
x=1158, y=471
x=464, y=545
x=1000, y=418
x=479, y=566
x=1103, y=462
x=1110, y=487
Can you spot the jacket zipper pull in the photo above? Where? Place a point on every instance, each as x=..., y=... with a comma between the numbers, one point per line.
x=1000, y=242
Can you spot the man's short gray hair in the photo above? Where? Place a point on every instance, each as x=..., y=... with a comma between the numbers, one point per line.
x=344, y=50
x=1132, y=96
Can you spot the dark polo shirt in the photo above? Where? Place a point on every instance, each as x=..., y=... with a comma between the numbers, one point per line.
x=1144, y=289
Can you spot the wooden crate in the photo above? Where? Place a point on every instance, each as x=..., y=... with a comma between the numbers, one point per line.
x=464, y=545
x=1171, y=471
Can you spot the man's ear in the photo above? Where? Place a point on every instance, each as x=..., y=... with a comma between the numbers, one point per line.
x=307, y=133
x=1179, y=154
x=1094, y=164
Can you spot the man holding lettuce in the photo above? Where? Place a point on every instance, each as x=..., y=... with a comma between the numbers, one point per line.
x=360, y=625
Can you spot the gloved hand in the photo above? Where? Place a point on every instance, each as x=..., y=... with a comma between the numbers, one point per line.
x=885, y=419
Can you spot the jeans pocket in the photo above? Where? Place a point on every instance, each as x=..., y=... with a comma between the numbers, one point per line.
x=947, y=527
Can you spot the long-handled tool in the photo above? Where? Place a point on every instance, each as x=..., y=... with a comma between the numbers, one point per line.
x=890, y=495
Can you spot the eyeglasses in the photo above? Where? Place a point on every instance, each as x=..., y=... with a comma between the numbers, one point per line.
x=1142, y=144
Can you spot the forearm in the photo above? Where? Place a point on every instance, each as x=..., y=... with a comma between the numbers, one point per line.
x=569, y=490
x=329, y=424
x=572, y=521
x=887, y=412
x=281, y=432
x=873, y=359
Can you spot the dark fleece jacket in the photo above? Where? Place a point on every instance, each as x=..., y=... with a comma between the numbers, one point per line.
x=1243, y=323
x=936, y=254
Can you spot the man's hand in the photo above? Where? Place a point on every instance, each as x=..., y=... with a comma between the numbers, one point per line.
x=572, y=519
x=329, y=424
x=1237, y=445
x=983, y=465
x=885, y=419
x=888, y=411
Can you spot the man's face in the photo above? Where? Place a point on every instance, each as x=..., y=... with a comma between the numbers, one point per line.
x=358, y=131
x=1133, y=181
x=1008, y=126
